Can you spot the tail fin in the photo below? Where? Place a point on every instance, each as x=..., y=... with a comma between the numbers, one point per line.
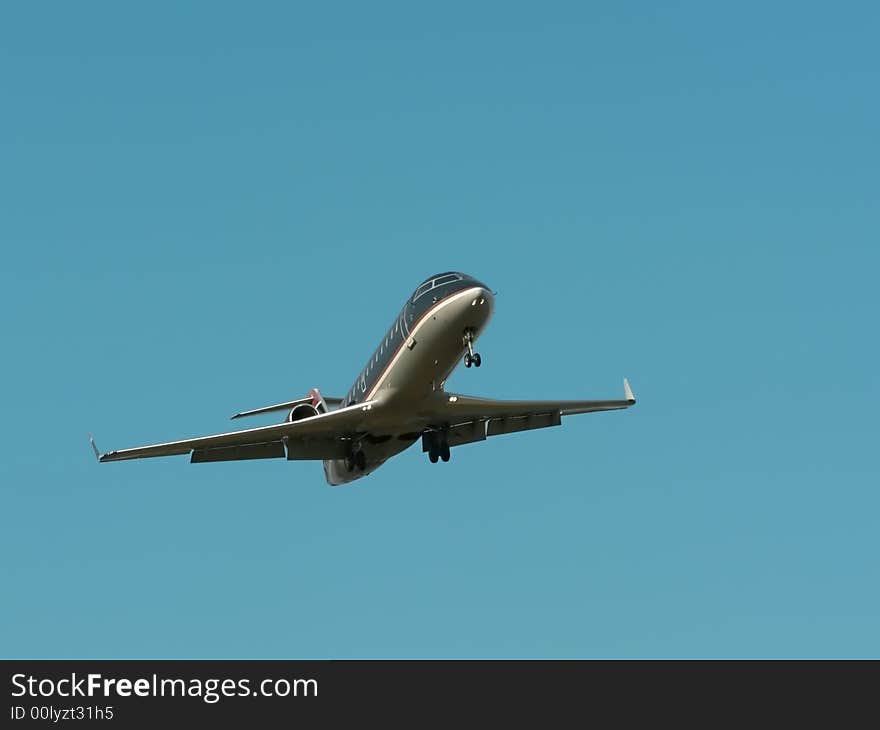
x=322, y=404
x=317, y=400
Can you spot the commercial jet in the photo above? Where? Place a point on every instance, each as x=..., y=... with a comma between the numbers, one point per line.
x=397, y=399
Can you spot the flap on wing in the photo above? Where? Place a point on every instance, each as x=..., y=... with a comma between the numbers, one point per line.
x=298, y=449
x=480, y=430
x=270, y=450
x=317, y=449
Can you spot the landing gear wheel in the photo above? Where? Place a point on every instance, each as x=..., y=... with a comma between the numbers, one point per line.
x=433, y=447
x=360, y=460
x=438, y=447
x=471, y=357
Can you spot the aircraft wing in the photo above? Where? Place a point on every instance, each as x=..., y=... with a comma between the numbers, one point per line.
x=467, y=419
x=323, y=436
x=467, y=408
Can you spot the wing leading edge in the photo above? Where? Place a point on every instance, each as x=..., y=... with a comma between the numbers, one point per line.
x=462, y=408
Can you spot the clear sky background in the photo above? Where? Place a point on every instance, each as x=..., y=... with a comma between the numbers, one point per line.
x=210, y=207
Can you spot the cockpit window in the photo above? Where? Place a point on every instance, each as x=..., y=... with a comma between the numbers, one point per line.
x=440, y=281
x=423, y=289
x=434, y=283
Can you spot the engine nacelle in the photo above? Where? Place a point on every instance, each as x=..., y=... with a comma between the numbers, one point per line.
x=303, y=410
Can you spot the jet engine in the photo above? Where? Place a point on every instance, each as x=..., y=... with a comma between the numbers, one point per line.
x=302, y=410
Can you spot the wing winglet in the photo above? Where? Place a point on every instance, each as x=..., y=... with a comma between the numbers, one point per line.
x=628, y=391
x=95, y=448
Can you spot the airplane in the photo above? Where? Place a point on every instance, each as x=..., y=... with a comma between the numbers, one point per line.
x=397, y=399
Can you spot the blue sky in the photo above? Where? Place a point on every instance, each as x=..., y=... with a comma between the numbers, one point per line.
x=210, y=207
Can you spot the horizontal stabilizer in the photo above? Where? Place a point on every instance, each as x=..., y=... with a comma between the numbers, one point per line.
x=287, y=406
x=271, y=409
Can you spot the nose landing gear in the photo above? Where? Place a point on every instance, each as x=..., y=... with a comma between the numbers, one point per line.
x=471, y=358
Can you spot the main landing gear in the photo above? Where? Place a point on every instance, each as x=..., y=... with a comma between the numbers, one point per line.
x=438, y=447
x=356, y=460
x=471, y=358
